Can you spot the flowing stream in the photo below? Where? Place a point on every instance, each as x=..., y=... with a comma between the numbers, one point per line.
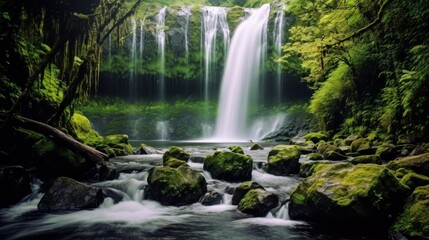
x=128, y=216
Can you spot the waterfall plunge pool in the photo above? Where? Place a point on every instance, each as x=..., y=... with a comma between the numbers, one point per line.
x=136, y=218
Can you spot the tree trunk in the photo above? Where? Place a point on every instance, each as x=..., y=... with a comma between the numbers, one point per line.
x=85, y=151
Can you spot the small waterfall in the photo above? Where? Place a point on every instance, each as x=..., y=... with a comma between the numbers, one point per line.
x=133, y=70
x=241, y=75
x=214, y=20
x=278, y=43
x=264, y=126
x=162, y=129
x=160, y=40
x=141, y=38
x=186, y=12
x=207, y=130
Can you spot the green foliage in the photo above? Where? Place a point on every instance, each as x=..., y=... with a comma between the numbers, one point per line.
x=329, y=102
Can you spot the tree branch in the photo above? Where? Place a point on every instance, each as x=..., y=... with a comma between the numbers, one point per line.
x=364, y=29
x=119, y=22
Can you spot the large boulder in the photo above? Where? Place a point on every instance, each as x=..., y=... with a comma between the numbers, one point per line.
x=241, y=190
x=367, y=194
x=229, y=166
x=258, y=202
x=14, y=184
x=413, y=222
x=419, y=164
x=68, y=194
x=175, y=186
x=283, y=160
x=177, y=153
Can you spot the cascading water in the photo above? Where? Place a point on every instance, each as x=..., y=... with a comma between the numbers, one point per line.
x=241, y=75
x=214, y=20
x=278, y=43
x=162, y=129
x=133, y=71
x=186, y=12
x=160, y=40
x=141, y=38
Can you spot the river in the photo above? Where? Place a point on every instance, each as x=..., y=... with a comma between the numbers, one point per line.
x=129, y=216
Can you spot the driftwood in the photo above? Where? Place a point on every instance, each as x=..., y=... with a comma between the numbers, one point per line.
x=89, y=153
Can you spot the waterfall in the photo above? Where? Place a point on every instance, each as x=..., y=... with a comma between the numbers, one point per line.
x=186, y=12
x=132, y=83
x=241, y=75
x=141, y=39
x=160, y=40
x=214, y=20
x=162, y=129
x=278, y=43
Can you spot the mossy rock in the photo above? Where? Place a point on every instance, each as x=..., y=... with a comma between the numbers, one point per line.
x=307, y=169
x=413, y=222
x=361, y=145
x=177, y=153
x=116, y=139
x=348, y=141
x=401, y=172
x=366, y=159
x=236, y=149
x=283, y=161
x=316, y=137
x=342, y=193
x=174, y=163
x=82, y=130
x=241, y=190
x=414, y=180
x=387, y=151
x=418, y=164
x=258, y=202
x=175, y=186
x=256, y=146
x=229, y=166
x=315, y=156
x=334, y=156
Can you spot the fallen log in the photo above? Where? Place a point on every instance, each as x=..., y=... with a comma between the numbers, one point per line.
x=89, y=153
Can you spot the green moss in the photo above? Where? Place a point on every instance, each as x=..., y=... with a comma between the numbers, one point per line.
x=283, y=160
x=414, y=180
x=414, y=221
x=81, y=129
x=360, y=144
x=367, y=159
x=174, y=163
x=173, y=186
x=316, y=137
x=249, y=201
x=418, y=164
x=236, y=149
x=315, y=156
x=177, y=153
x=229, y=166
